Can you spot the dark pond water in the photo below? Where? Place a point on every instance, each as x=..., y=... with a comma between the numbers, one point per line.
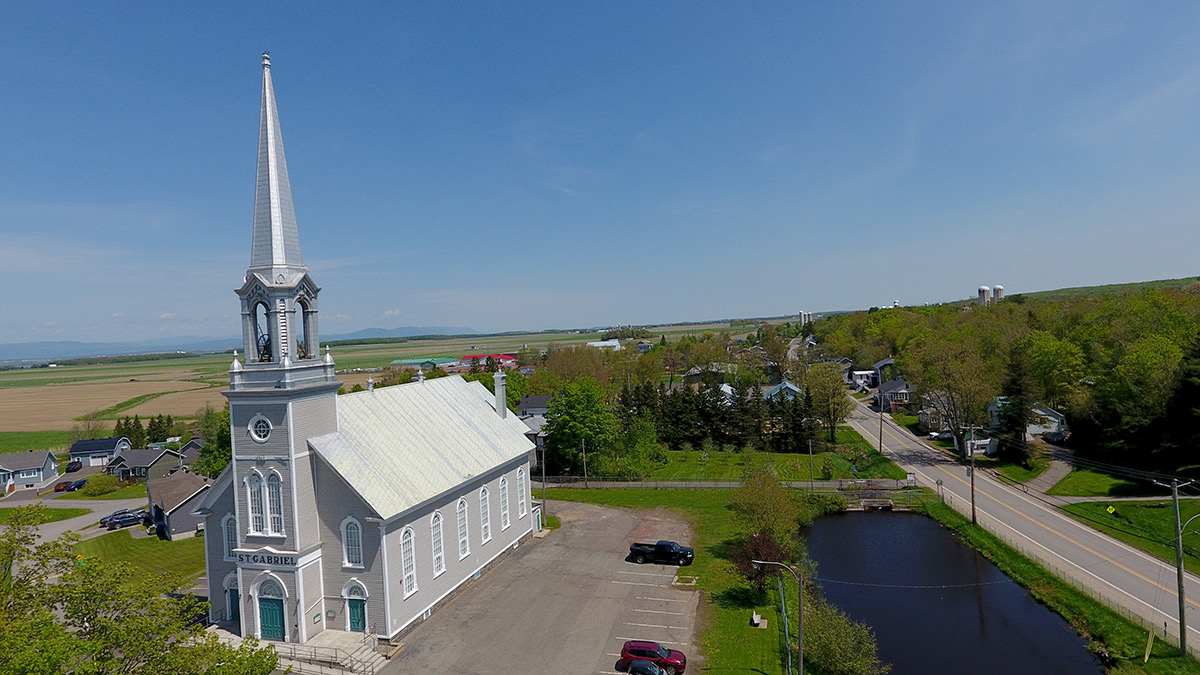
x=979, y=623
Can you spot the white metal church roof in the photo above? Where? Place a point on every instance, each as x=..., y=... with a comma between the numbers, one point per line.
x=399, y=446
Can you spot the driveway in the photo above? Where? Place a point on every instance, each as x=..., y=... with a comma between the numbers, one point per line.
x=563, y=604
x=85, y=525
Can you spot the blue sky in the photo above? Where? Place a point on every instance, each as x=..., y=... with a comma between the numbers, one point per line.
x=512, y=166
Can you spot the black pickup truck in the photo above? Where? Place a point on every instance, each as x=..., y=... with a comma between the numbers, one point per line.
x=667, y=552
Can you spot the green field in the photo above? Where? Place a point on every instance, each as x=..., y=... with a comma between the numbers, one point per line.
x=1086, y=483
x=1147, y=525
x=151, y=555
x=52, y=515
x=728, y=466
x=1015, y=471
x=28, y=441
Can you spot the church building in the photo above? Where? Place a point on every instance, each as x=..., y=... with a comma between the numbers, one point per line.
x=358, y=512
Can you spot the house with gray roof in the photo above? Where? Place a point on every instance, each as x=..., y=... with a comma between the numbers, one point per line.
x=99, y=451
x=144, y=464
x=362, y=512
x=173, y=498
x=27, y=471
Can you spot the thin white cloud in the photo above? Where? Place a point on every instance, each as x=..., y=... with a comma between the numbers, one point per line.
x=391, y=312
x=168, y=316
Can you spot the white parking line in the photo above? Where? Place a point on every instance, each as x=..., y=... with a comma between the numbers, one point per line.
x=652, y=625
x=644, y=574
x=636, y=583
x=655, y=611
x=661, y=642
x=660, y=599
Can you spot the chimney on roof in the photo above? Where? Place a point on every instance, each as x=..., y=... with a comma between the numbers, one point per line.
x=420, y=377
x=370, y=384
x=501, y=394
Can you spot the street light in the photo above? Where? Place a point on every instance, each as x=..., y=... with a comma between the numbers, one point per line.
x=799, y=611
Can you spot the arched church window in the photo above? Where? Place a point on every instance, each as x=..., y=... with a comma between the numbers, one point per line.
x=435, y=535
x=229, y=528
x=521, y=493
x=302, y=329
x=352, y=543
x=464, y=543
x=408, y=562
x=275, y=503
x=270, y=589
x=254, y=489
x=262, y=332
x=485, y=516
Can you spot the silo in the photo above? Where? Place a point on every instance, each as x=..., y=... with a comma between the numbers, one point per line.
x=985, y=295
x=997, y=293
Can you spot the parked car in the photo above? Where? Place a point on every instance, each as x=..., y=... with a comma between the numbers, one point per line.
x=63, y=485
x=76, y=485
x=107, y=519
x=667, y=552
x=125, y=520
x=671, y=661
x=643, y=668
x=74, y=465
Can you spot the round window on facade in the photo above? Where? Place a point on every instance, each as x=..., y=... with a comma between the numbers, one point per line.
x=260, y=428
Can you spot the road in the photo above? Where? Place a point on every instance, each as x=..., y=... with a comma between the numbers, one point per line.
x=1112, y=571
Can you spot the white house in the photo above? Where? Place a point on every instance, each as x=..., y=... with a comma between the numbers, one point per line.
x=359, y=512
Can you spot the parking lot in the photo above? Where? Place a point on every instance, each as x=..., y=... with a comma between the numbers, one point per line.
x=563, y=604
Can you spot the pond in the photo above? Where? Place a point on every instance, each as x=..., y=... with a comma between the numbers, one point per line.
x=935, y=605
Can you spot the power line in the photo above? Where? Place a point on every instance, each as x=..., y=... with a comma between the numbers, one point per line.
x=912, y=586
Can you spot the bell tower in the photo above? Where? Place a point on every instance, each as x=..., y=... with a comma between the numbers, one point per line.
x=279, y=299
x=282, y=395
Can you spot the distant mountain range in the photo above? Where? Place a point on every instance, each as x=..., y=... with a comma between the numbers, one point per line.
x=49, y=351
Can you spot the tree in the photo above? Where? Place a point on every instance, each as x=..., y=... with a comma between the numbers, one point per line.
x=578, y=414
x=762, y=505
x=954, y=379
x=1181, y=420
x=102, y=618
x=216, y=450
x=1015, y=406
x=830, y=402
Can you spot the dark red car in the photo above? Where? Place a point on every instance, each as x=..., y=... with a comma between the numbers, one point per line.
x=63, y=485
x=672, y=661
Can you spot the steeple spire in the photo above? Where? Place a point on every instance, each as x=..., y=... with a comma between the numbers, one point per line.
x=276, y=247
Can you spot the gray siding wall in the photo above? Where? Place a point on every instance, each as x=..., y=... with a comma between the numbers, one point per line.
x=310, y=418
x=431, y=589
x=241, y=412
x=310, y=577
x=336, y=502
x=214, y=550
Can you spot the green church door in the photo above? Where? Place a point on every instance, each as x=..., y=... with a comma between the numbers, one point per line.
x=235, y=608
x=270, y=616
x=358, y=615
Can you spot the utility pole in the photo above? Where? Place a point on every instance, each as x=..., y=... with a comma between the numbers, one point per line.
x=971, y=449
x=812, y=486
x=583, y=447
x=1179, y=562
x=543, y=480
x=881, y=423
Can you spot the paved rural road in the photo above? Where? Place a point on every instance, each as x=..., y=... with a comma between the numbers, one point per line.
x=1124, y=576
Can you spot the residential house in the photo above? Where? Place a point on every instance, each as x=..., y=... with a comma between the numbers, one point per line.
x=100, y=451
x=785, y=390
x=613, y=344
x=1044, y=420
x=173, y=498
x=27, y=471
x=892, y=393
x=534, y=405
x=860, y=379
x=145, y=464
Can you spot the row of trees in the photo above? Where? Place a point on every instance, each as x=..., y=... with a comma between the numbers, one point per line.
x=157, y=430
x=1117, y=364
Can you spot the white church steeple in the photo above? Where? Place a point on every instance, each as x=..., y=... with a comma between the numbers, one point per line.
x=279, y=298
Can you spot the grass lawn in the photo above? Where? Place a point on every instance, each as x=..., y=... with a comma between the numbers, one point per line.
x=1015, y=471
x=1086, y=483
x=1148, y=525
x=151, y=555
x=127, y=492
x=1122, y=639
x=727, y=640
x=28, y=441
x=52, y=515
x=728, y=466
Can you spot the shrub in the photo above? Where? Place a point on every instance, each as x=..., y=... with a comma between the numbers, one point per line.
x=100, y=484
